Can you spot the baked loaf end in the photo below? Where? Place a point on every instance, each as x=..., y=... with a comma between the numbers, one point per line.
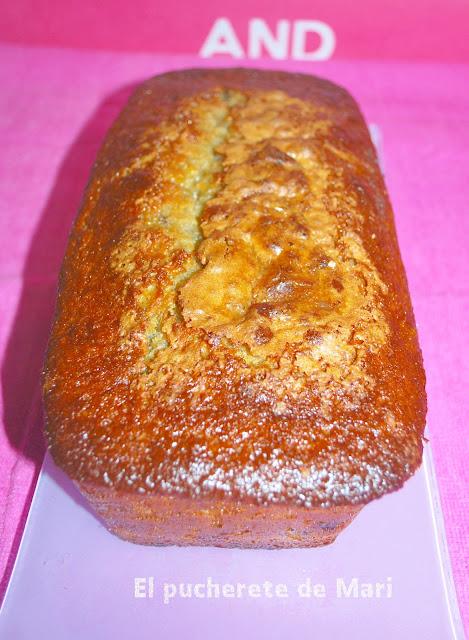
x=234, y=342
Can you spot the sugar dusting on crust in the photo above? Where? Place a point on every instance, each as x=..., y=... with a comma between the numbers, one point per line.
x=233, y=318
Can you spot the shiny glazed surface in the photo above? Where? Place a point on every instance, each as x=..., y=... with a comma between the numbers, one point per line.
x=233, y=318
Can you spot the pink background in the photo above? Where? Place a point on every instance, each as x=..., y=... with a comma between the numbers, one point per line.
x=386, y=29
x=410, y=74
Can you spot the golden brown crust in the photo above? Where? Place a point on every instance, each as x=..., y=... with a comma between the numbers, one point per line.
x=233, y=318
x=155, y=519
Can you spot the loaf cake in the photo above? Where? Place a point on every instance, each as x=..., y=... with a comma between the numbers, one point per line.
x=234, y=359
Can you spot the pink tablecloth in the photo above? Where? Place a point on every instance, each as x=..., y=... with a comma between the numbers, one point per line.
x=55, y=106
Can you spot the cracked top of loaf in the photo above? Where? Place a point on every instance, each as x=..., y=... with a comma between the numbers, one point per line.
x=233, y=315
